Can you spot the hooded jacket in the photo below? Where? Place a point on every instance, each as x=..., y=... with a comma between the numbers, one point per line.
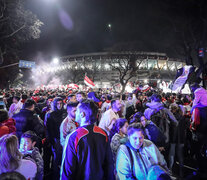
x=150, y=156
x=155, y=106
x=54, y=120
x=200, y=97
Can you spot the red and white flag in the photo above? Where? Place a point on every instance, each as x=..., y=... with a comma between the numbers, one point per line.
x=88, y=82
x=72, y=86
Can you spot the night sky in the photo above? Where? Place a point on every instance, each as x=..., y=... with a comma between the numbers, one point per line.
x=81, y=26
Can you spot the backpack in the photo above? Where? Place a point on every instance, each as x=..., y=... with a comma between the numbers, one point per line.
x=161, y=119
x=156, y=135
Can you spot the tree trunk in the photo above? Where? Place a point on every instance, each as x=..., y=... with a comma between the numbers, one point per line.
x=123, y=88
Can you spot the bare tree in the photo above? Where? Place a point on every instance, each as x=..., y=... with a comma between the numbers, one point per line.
x=126, y=67
x=17, y=25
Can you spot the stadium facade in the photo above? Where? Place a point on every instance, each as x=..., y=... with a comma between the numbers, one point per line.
x=152, y=66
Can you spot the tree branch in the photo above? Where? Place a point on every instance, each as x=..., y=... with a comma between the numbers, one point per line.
x=10, y=35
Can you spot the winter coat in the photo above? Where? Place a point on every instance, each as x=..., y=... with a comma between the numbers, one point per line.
x=164, y=121
x=36, y=157
x=7, y=127
x=155, y=106
x=200, y=121
x=200, y=97
x=154, y=134
x=147, y=156
x=15, y=108
x=116, y=141
x=26, y=120
x=87, y=155
x=53, y=122
x=178, y=133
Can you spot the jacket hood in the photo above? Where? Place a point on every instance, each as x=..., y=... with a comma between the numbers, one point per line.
x=55, y=103
x=155, y=105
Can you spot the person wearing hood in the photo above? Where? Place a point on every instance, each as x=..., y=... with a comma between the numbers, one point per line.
x=138, y=157
x=155, y=105
x=53, y=122
x=15, y=107
x=199, y=124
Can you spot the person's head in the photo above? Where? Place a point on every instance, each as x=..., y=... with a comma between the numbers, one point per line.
x=9, y=153
x=3, y=115
x=24, y=96
x=135, y=135
x=86, y=112
x=30, y=104
x=155, y=98
x=72, y=98
x=186, y=100
x=80, y=96
x=109, y=97
x=71, y=109
x=57, y=103
x=28, y=141
x=136, y=117
x=121, y=126
x=16, y=99
x=12, y=176
x=116, y=105
x=143, y=121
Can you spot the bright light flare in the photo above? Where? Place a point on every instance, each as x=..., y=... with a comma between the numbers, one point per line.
x=146, y=81
x=55, y=61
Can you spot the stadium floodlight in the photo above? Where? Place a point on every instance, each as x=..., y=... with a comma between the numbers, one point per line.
x=55, y=61
x=107, y=66
x=146, y=81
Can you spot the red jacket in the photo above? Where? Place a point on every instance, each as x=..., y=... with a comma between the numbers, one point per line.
x=7, y=127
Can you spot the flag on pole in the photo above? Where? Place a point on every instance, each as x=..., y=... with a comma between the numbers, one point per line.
x=89, y=82
x=181, y=77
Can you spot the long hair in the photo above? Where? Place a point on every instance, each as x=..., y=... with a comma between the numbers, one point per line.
x=117, y=125
x=9, y=153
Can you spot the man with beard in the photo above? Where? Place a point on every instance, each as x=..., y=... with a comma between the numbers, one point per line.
x=110, y=116
x=68, y=125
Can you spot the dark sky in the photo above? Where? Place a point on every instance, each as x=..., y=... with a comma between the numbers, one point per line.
x=81, y=26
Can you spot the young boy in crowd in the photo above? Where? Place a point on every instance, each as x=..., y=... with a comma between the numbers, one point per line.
x=29, y=151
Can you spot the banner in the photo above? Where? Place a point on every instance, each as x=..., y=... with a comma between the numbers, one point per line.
x=26, y=64
x=88, y=82
x=181, y=77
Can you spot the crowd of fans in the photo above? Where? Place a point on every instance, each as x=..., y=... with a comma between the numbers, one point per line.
x=53, y=134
